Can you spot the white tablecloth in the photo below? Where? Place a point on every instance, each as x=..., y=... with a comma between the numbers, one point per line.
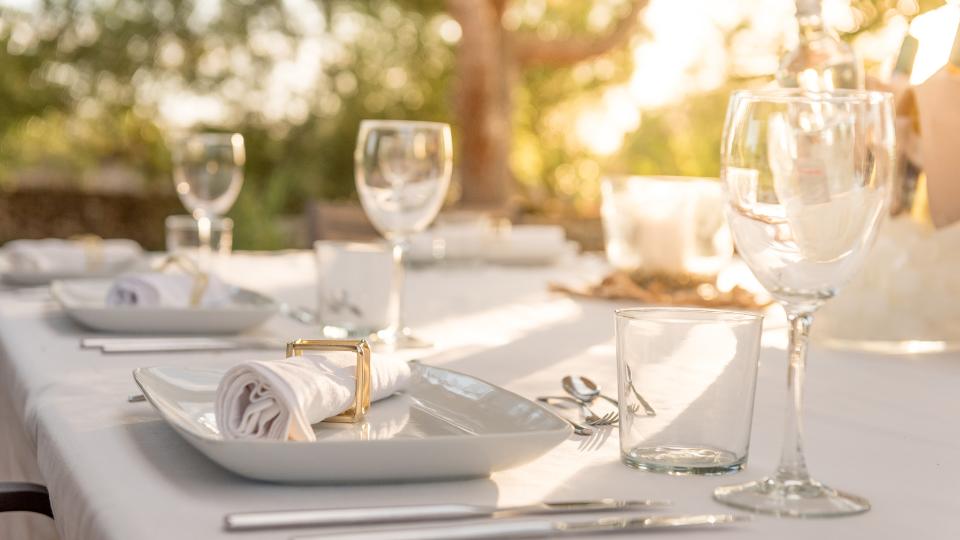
x=880, y=426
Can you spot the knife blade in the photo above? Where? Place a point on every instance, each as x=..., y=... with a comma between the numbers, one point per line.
x=178, y=344
x=535, y=529
x=245, y=521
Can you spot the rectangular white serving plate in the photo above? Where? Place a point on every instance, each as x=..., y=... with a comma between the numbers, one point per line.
x=35, y=279
x=446, y=425
x=84, y=301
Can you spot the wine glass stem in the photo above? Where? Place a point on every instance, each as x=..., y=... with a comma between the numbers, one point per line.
x=204, y=242
x=398, y=246
x=793, y=467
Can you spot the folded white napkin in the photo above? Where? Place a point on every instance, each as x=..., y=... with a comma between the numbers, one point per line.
x=70, y=256
x=456, y=241
x=159, y=289
x=280, y=400
x=523, y=244
x=529, y=244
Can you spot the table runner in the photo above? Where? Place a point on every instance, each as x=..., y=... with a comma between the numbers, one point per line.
x=881, y=426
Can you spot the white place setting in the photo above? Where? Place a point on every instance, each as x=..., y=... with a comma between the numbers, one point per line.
x=241, y=433
x=117, y=469
x=450, y=372
x=38, y=262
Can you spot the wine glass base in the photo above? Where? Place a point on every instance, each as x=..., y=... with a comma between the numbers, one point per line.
x=391, y=340
x=793, y=498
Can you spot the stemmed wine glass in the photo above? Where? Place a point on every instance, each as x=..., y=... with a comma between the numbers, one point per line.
x=208, y=175
x=402, y=171
x=807, y=177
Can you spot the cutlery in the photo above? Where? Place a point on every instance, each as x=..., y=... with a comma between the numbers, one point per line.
x=609, y=419
x=584, y=389
x=178, y=344
x=578, y=428
x=136, y=398
x=338, y=517
x=590, y=417
x=633, y=389
x=299, y=314
x=538, y=529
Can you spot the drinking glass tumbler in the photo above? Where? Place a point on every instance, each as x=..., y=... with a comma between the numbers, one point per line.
x=686, y=381
x=183, y=235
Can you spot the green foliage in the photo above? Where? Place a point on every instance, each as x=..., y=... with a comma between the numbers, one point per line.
x=84, y=85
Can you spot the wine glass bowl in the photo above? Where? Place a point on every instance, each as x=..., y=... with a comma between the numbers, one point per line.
x=208, y=172
x=403, y=171
x=807, y=176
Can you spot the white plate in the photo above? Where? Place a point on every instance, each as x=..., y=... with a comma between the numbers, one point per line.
x=35, y=279
x=446, y=425
x=85, y=302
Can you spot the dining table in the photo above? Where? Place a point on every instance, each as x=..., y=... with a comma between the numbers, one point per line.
x=883, y=426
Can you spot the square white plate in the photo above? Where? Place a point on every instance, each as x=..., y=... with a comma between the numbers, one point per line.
x=84, y=301
x=34, y=278
x=447, y=425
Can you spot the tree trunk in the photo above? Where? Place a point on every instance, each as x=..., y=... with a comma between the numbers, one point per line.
x=482, y=104
x=488, y=62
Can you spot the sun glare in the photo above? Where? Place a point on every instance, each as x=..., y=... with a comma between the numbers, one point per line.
x=935, y=30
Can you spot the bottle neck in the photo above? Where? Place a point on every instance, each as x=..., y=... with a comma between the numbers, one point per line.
x=954, y=62
x=809, y=17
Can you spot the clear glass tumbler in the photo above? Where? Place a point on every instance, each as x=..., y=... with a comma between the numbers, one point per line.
x=183, y=235
x=352, y=303
x=686, y=384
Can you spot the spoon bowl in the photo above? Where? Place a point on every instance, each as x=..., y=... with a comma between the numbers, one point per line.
x=581, y=388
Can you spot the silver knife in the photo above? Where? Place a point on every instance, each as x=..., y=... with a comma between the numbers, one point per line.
x=335, y=517
x=535, y=529
x=178, y=344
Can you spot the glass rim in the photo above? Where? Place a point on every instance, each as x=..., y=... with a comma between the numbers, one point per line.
x=177, y=220
x=213, y=135
x=799, y=95
x=374, y=123
x=720, y=315
x=658, y=177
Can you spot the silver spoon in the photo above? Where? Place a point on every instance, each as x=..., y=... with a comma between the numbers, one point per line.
x=299, y=314
x=586, y=390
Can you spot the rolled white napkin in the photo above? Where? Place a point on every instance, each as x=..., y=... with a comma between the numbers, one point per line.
x=70, y=256
x=282, y=399
x=158, y=289
x=457, y=241
x=529, y=244
x=524, y=244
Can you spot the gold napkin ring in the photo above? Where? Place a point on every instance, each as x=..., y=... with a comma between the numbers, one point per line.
x=92, y=250
x=200, y=279
x=361, y=398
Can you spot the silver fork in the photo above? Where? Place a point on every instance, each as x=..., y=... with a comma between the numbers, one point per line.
x=590, y=417
x=608, y=419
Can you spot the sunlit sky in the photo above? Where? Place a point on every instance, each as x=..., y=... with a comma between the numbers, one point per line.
x=684, y=54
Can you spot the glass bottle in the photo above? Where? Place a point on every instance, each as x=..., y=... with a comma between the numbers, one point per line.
x=821, y=61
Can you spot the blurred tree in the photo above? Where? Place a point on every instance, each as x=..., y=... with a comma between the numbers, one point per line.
x=488, y=58
x=91, y=90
